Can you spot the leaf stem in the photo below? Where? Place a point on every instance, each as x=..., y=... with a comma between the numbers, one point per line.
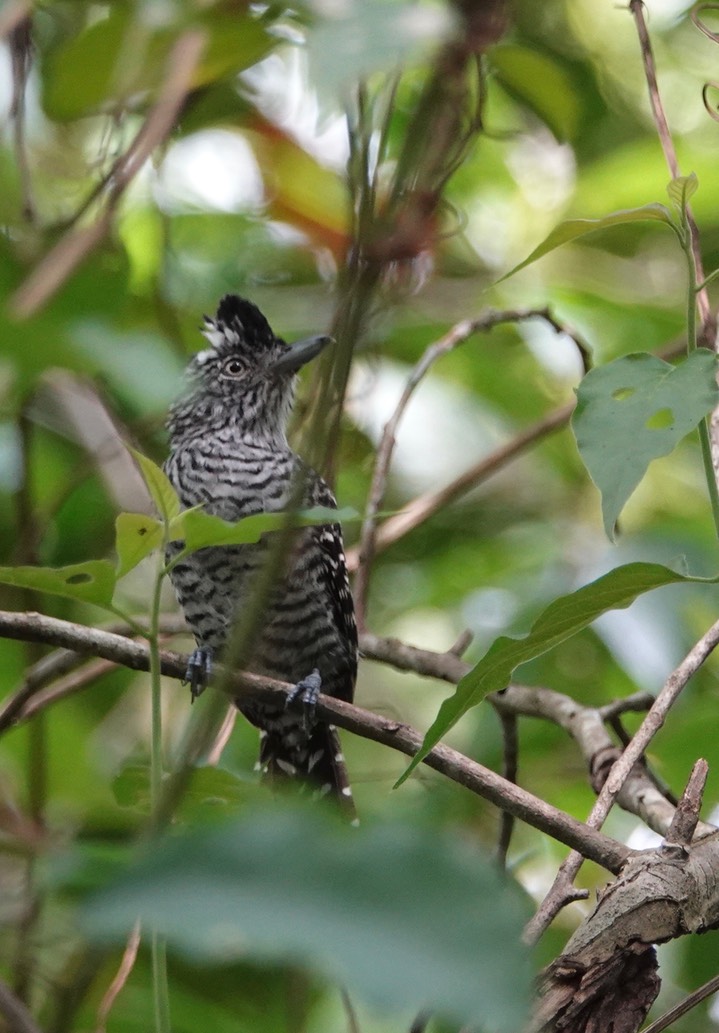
x=159, y=951
x=160, y=987
x=704, y=436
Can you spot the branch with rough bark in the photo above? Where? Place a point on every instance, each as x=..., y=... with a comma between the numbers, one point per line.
x=118, y=649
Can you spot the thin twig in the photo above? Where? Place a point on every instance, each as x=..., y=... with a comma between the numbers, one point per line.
x=681, y=831
x=459, y=334
x=649, y=727
x=636, y=8
x=127, y=964
x=480, y=780
x=18, y=1017
x=12, y=14
x=425, y=506
x=71, y=684
x=691, y=1001
x=20, y=51
x=510, y=764
x=54, y=269
x=353, y=1025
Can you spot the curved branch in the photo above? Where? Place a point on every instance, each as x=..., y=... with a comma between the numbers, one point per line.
x=458, y=334
x=59, y=263
x=602, y=849
x=425, y=506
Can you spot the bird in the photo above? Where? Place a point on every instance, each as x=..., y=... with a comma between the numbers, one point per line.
x=228, y=453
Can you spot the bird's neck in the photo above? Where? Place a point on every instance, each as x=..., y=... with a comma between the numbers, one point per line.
x=194, y=419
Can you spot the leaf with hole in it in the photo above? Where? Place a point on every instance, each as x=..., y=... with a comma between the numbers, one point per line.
x=200, y=529
x=573, y=229
x=558, y=622
x=682, y=188
x=634, y=410
x=136, y=536
x=91, y=582
x=401, y=915
x=161, y=491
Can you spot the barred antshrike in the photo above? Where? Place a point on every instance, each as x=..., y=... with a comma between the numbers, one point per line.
x=229, y=453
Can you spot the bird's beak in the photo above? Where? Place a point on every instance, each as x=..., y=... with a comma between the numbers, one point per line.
x=299, y=353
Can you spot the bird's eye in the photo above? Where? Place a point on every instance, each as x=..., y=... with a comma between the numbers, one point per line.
x=233, y=368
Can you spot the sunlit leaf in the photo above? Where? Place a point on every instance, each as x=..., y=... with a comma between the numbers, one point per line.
x=573, y=229
x=92, y=581
x=300, y=189
x=161, y=491
x=634, y=410
x=404, y=917
x=136, y=536
x=123, y=57
x=682, y=188
x=541, y=83
x=201, y=529
x=560, y=621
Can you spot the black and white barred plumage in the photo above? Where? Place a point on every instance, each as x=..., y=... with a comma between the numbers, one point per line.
x=229, y=453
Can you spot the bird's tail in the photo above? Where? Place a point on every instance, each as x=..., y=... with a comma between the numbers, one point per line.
x=317, y=762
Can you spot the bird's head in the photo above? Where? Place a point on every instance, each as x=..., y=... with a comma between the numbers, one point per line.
x=247, y=372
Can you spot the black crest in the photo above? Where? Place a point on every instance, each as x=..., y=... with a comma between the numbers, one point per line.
x=244, y=319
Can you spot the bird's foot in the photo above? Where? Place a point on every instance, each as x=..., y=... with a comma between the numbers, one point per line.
x=306, y=694
x=199, y=672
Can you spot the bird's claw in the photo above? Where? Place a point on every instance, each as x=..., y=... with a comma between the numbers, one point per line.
x=305, y=694
x=199, y=672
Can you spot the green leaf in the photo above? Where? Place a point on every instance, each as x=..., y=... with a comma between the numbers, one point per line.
x=573, y=229
x=136, y=536
x=92, y=581
x=123, y=59
x=560, y=621
x=209, y=790
x=540, y=83
x=350, y=41
x=161, y=491
x=201, y=529
x=634, y=410
x=405, y=917
x=682, y=188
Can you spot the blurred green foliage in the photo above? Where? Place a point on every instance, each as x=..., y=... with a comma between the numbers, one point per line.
x=248, y=194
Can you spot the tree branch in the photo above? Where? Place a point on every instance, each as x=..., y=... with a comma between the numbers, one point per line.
x=622, y=767
x=425, y=506
x=58, y=264
x=602, y=849
x=457, y=335
x=18, y=1017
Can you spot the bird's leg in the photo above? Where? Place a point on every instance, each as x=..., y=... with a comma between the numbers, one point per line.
x=199, y=671
x=306, y=693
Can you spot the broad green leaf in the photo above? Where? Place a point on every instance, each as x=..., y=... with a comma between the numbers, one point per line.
x=560, y=621
x=161, y=491
x=403, y=916
x=301, y=189
x=209, y=791
x=541, y=83
x=92, y=581
x=573, y=229
x=634, y=410
x=136, y=536
x=352, y=40
x=123, y=57
x=201, y=529
x=682, y=188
